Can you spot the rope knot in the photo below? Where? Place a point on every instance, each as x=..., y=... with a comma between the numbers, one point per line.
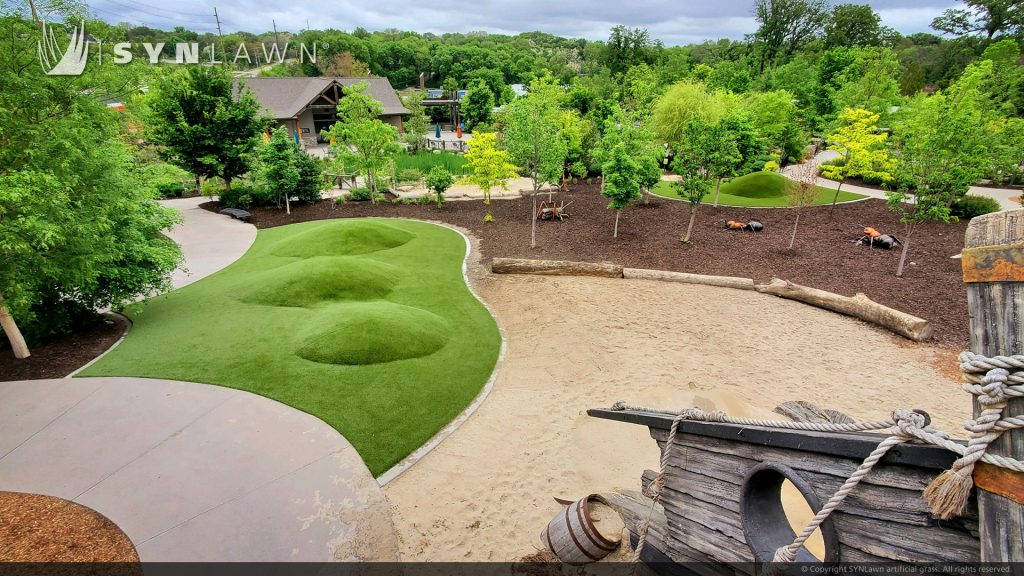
x=993, y=388
x=908, y=421
x=620, y=405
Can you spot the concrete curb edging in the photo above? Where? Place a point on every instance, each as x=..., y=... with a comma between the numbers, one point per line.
x=108, y=350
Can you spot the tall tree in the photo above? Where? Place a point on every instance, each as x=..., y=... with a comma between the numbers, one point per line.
x=623, y=180
x=853, y=25
x=360, y=139
x=199, y=124
x=626, y=48
x=417, y=123
x=533, y=140
x=784, y=26
x=989, y=18
x=477, y=104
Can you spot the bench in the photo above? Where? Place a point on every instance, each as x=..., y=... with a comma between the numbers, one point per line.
x=236, y=214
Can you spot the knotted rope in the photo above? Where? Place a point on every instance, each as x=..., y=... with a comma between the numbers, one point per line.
x=993, y=381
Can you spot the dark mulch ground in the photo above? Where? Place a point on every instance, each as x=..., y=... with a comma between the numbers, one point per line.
x=649, y=238
x=61, y=356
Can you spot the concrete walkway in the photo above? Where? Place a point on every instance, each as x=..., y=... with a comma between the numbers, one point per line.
x=209, y=241
x=192, y=472
x=1004, y=196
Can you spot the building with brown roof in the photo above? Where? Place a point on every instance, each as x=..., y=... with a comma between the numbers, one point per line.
x=307, y=105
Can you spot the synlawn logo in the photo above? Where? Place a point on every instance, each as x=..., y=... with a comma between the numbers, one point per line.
x=72, y=60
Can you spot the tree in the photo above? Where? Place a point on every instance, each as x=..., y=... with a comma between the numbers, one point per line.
x=476, y=106
x=801, y=192
x=693, y=188
x=622, y=180
x=709, y=152
x=871, y=81
x=683, y=102
x=853, y=25
x=417, y=123
x=200, y=126
x=287, y=172
x=360, y=139
x=777, y=120
x=438, y=180
x=345, y=64
x=989, y=18
x=491, y=166
x=77, y=232
x=533, y=141
x=784, y=26
x=626, y=48
x=862, y=149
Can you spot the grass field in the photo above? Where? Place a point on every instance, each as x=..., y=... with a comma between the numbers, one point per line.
x=759, y=189
x=424, y=161
x=366, y=324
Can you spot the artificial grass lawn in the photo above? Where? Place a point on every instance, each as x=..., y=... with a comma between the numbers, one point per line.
x=366, y=324
x=759, y=189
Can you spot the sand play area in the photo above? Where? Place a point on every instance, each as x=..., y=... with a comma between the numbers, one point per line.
x=485, y=492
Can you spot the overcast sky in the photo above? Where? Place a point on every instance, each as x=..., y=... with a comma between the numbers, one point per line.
x=672, y=21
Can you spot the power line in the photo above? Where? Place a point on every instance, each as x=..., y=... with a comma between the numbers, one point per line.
x=158, y=15
x=136, y=2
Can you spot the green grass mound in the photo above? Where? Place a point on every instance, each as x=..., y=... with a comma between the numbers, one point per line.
x=341, y=238
x=374, y=333
x=316, y=280
x=757, y=185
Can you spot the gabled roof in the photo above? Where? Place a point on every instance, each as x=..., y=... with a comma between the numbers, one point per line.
x=287, y=97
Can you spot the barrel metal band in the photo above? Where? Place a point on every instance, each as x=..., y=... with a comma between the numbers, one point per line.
x=1001, y=263
x=1001, y=481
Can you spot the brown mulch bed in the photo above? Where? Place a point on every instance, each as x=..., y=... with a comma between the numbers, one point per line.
x=649, y=236
x=58, y=357
x=36, y=528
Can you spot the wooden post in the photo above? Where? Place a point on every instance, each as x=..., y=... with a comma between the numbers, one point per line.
x=993, y=265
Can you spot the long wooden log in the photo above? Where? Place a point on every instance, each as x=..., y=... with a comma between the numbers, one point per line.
x=684, y=278
x=858, y=306
x=554, y=268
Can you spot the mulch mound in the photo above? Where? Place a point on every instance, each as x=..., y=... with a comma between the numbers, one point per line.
x=36, y=528
x=58, y=357
x=824, y=256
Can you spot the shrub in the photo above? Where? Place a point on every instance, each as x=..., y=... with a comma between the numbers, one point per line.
x=212, y=186
x=970, y=206
x=438, y=180
x=243, y=195
x=359, y=194
x=311, y=180
x=771, y=166
x=169, y=188
x=409, y=176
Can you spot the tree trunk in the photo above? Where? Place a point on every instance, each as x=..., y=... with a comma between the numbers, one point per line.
x=689, y=228
x=554, y=268
x=616, y=233
x=533, y=222
x=903, y=253
x=227, y=184
x=13, y=333
x=718, y=188
x=792, y=239
x=371, y=183
x=287, y=204
x=834, y=200
x=199, y=185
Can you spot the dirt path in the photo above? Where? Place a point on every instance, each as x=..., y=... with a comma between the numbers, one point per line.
x=574, y=343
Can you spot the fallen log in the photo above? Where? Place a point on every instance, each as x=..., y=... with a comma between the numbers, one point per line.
x=554, y=268
x=683, y=277
x=858, y=306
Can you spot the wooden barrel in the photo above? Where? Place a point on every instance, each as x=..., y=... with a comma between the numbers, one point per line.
x=574, y=537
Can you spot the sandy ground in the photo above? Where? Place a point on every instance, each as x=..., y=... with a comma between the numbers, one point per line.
x=575, y=343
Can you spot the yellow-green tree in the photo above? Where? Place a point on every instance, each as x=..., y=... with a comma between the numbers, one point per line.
x=862, y=149
x=491, y=166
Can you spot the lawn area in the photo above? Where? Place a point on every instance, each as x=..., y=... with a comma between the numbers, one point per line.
x=364, y=323
x=759, y=189
x=424, y=161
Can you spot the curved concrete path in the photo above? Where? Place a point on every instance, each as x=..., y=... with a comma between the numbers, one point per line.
x=193, y=472
x=209, y=241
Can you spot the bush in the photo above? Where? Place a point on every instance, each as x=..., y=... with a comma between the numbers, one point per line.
x=243, y=195
x=311, y=180
x=970, y=206
x=212, y=186
x=410, y=176
x=359, y=194
x=771, y=166
x=169, y=188
x=438, y=180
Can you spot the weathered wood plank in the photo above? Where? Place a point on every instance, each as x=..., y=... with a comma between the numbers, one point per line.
x=554, y=268
x=904, y=543
x=688, y=536
x=997, y=328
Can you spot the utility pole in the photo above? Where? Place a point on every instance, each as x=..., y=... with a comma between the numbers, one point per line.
x=220, y=36
x=277, y=40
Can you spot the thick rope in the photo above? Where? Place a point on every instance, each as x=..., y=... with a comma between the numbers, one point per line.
x=992, y=381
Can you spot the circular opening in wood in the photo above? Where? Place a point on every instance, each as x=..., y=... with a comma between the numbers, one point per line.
x=775, y=503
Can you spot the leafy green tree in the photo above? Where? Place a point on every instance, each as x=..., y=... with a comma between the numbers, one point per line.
x=623, y=180
x=777, y=120
x=78, y=233
x=785, y=26
x=693, y=188
x=871, y=81
x=200, y=126
x=438, y=181
x=533, y=141
x=989, y=18
x=491, y=166
x=628, y=47
x=476, y=106
x=287, y=172
x=417, y=123
x=360, y=139
x=862, y=149
x=709, y=152
x=853, y=25
x=683, y=102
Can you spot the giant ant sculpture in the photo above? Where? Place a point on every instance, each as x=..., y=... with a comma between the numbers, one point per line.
x=874, y=239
